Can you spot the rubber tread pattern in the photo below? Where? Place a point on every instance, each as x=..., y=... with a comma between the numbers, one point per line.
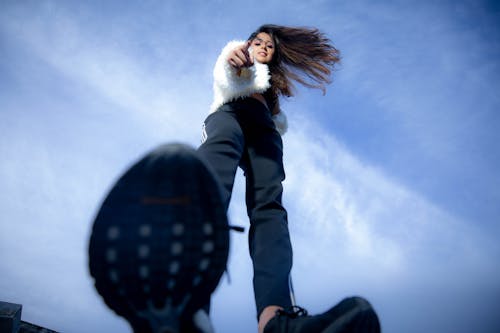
x=161, y=237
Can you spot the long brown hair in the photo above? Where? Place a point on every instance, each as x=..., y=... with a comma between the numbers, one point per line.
x=304, y=55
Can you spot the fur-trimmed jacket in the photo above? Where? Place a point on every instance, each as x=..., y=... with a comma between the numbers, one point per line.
x=228, y=86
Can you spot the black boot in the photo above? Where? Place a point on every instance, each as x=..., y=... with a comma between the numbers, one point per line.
x=160, y=241
x=352, y=315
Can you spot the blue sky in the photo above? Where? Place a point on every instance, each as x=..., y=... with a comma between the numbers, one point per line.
x=392, y=177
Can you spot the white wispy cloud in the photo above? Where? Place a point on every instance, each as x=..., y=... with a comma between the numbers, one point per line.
x=336, y=195
x=116, y=71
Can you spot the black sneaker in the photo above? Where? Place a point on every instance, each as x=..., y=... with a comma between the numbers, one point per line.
x=160, y=242
x=352, y=315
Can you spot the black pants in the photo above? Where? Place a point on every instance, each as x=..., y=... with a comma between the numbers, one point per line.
x=242, y=133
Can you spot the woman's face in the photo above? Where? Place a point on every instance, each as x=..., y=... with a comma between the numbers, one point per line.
x=262, y=47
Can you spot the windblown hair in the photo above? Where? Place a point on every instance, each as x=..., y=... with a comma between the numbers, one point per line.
x=303, y=55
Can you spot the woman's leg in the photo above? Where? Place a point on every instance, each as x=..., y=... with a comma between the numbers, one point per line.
x=243, y=133
x=269, y=239
x=223, y=147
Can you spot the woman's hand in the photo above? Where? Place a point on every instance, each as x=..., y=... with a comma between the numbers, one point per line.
x=240, y=57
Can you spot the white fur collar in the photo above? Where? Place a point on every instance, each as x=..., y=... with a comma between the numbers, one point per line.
x=228, y=86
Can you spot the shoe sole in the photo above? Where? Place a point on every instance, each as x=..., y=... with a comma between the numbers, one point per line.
x=160, y=241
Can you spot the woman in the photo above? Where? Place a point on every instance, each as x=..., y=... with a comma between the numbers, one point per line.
x=181, y=198
x=249, y=78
